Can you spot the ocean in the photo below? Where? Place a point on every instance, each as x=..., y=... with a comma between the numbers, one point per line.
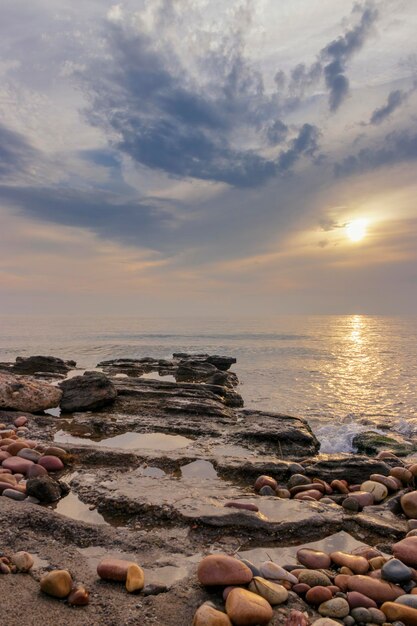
x=344, y=374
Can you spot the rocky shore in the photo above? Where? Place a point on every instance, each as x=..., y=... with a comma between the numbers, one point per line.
x=143, y=492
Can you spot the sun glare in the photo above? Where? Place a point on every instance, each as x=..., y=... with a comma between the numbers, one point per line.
x=356, y=230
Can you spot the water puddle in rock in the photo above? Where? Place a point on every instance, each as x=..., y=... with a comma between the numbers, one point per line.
x=166, y=378
x=231, y=450
x=71, y=506
x=203, y=470
x=151, y=472
x=339, y=541
x=55, y=412
x=130, y=441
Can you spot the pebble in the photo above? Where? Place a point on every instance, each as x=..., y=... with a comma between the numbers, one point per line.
x=314, y=578
x=208, y=615
x=394, y=611
x=51, y=463
x=15, y=447
x=326, y=621
x=396, y=572
x=298, y=479
x=406, y=551
x=377, y=590
x=301, y=588
x=402, y=474
x=356, y=599
x=313, y=559
x=135, y=578
x=296, y=468
x=247, y=609
x=357, y=564
x=378, y=617
x=408, y=600
x=266, y=490
x=36, y=470
x=390, y=482
x=409, y=504
x=23, y=561
x=361, y=615
x=311, y=494
x=114, y=569
x=340, y=486
x=337, y=607
x=20, y=421
x=29, y=454
x=377, y=562
x=255, y=570
x=79, y=596
x=221, y=569
x=378, y=490
x=270, y=591
x=272, y=571
x=317, y=595
x=265, y=481
x=13, y=494
x=57, y=583
x=16, y=464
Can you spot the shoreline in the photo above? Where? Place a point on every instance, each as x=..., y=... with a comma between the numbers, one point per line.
x=168, y=507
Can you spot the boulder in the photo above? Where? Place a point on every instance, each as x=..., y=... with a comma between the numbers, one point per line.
x=27, y=394
x=89, y=392
x=371, y=442
x=44, y=489
x=34, y=364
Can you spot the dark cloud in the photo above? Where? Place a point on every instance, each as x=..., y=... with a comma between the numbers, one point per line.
x=395, y=99
x=164, y=120
x=16, y=153
x=398, y=147
x=337, y=53
x=306, y=143
x=136, y=222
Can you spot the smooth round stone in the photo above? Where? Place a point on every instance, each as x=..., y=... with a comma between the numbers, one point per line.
x=266, y=490
x=316, y=486
x=207, y=615
x=301, y=588
x=15, y=447
x=55, y=451
x=4, y=455
x=135, y=578
x=394, y=611
x=356, y=599
x=361, y=615
x=406, y=551
x=57, y=583
x=79, y=596
x=255, y=570
x=114, y=569
x=408, y=600
x=318, y=595
x=377, y=590
x=363, y=498
x=263, y=481
x=409, y=504
x=283, y=493
x=357, y=564
x=272, y=571
x=349, y=621
x=221, y=569
x=314, y=578
x=388, y=481
x=51, y=463
x=378, y=490
x=13, y=494
x=20, y=421
x=29, y=454
x=247, y=609
x=296, y=468
x=351, y=504
x=336, y=607
x=23, y=561
x=339, y=486
x=403, y=474
x=378, y=616
x=313, y=559
x=270, y=591
x=386, y=454
x=36, y=470
x=311, y=494
x=396, y=572
x=298, y=479
x=16, y=464
x=367, y=552
x=377, y=562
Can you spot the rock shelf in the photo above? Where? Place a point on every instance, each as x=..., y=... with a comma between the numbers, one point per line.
x=160, y=474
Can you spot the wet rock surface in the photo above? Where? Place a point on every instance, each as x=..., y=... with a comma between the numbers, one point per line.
x=168, y=473
x=21, y=393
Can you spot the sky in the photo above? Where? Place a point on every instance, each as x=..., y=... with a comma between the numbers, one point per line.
x=197, y=157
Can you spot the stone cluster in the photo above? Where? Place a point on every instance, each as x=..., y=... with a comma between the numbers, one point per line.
x=25, y=465
x=361, y=587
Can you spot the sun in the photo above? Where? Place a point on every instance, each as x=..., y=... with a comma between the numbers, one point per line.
x=356, y=230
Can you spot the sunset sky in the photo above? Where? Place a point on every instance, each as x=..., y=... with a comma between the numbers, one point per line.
x=176, y=157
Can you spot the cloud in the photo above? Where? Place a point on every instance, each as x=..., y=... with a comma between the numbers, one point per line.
x=16, y=153
x=395, y=99
x=337, y=53
x=210, y=128
x=397, y=147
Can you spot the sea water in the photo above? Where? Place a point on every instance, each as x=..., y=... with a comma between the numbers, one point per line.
x=344, y=374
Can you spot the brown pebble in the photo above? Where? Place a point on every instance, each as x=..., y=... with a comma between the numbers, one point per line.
x=79, y=596
x=57, y=583
x=317, y=595
x=402, y=474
